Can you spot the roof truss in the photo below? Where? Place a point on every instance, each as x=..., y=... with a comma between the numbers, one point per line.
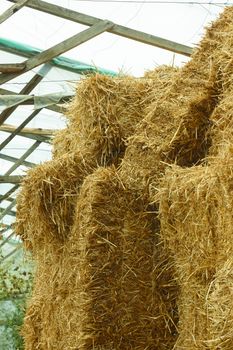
x=96, y=26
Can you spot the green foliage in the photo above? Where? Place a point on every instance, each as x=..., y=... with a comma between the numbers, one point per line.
x=15, y=323
x=16, y=276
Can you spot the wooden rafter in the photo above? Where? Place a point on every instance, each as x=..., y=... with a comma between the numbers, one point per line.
x=34, y=131
x=15, y=179
x=116, y=29
x=22, y=158
x=13, y=160
x=36, y=79
x=19, y=128
x=9, y=192
x=5, y=211
x=11, y=179
x=11, y=68
x=9, y=199
x=8, y=238
x=13, y=9
x=40, y=138
x=47, y=55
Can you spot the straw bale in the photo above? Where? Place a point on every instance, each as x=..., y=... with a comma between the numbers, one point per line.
x=176, y=128
x=45, y=205
x=196, y=226
x=32, y=326
x=221, y=132
x=178, y=125
x=42, y=324
x=172, y=132
x=105, y=111
x=121, y=285
x=45, y=220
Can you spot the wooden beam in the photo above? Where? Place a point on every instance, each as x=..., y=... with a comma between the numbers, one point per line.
x=36, y=79
x=6, y=195
x=9, y=199
x=24, y=156
x=32, y=131
x=8, y=238
x=7, y=178
x=19, y=246
x=13, y=9
x=5, y=211
x=4, y=228
x=19, y=128
x=116, y=29
x=15, y=178
x=12, y=179
x=60, y=48
x=41, y=138
x=13, y=160
x=11, y=68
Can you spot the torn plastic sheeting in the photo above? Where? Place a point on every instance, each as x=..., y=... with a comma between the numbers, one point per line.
x=12, y=100
x=42, y=101
x=49, y=99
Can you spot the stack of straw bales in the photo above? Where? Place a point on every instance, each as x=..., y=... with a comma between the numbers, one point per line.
x=112, y=274
x=177, y=123
x=64, y=221
x=196, y=225
x=122, y=301
x=196, y=219
x=104, y=113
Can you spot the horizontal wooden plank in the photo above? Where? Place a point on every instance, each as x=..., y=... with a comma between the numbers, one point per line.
x=12, y=179
x=34, y=131
x=11, y=68
x=45, y=139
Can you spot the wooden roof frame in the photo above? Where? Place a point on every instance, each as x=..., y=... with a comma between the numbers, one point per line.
x=96, y=26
